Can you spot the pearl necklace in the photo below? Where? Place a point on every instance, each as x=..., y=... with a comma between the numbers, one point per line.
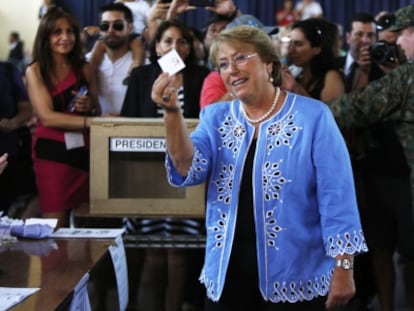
x=267, y=113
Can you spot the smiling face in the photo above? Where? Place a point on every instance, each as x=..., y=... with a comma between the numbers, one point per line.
x=62, y=39
x=301, y=52
x=172, y=38
x=243, y=71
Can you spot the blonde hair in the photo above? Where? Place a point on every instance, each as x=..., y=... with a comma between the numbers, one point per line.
x=255, y=37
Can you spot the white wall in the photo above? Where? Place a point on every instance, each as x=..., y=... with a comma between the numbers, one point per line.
x=20, y=16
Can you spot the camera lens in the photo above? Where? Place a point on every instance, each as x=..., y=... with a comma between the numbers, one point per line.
x=383, y=52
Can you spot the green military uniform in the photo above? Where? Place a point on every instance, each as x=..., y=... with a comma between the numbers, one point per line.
x=390, y=98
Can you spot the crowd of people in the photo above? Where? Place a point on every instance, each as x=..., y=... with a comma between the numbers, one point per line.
x=306, y=152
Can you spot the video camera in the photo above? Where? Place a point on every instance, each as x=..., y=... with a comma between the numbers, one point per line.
x=383, y=52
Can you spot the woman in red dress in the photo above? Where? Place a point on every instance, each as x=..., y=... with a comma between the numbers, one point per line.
x=285, y=16
x=61, y=139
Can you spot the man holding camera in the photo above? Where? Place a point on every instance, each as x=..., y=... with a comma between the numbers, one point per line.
x=387, y=106
x=358, y=66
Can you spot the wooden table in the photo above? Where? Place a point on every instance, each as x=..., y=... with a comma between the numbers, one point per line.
x=54, y=265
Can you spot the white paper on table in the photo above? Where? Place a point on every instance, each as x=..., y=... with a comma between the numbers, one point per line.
x=171, y=62
x=80, y=300
x=52, y=222
x=88, y=233
x=34, y=228
x=117, y=252
x=11, y=296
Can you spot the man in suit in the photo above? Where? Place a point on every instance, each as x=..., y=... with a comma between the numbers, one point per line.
x=357, y=65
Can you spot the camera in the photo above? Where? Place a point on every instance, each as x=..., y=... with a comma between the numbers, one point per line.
x=383, y=52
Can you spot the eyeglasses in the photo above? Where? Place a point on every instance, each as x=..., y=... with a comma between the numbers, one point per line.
x=238, y=60
x=118, y=26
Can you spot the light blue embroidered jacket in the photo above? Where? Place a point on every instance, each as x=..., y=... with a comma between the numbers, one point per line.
x=304, y=201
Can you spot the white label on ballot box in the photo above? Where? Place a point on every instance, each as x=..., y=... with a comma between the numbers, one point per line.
x=141, y=144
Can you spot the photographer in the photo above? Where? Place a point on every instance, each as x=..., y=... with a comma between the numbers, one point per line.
x=357, y=65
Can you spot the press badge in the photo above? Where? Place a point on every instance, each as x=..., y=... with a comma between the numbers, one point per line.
x=74, y=140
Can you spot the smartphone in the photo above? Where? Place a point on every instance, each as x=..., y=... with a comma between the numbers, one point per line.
x=83, y=90
x=166, y=1
x=202, y=2
x=295, y=70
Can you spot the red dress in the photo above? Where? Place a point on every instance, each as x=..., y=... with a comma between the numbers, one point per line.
x=287, y=20
x=62, y=175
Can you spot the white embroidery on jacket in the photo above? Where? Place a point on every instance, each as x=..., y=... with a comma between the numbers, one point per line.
x=281, y=132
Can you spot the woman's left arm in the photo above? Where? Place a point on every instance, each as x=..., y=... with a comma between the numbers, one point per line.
x=91, y=106
x=333, y=87
x=342, y=287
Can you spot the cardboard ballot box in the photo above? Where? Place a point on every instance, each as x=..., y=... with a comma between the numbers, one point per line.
x=128, y=175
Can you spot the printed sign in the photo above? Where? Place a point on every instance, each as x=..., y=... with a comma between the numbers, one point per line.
x=130, y=144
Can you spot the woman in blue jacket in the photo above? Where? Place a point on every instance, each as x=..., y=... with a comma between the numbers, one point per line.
x=281, y=218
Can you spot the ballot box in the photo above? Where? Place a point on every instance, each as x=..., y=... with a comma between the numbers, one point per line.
x=127, y=171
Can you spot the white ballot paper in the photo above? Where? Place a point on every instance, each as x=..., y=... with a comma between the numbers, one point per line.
x=11, y=296
x=80, y=300
x=171, y=62
x=117, y=252
x=87, y=233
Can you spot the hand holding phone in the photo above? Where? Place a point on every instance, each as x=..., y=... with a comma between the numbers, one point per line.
x=295, y=70
x=83, y=90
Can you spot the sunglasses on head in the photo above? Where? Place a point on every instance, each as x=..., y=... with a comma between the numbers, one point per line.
x=385, y=21
x=118, y=26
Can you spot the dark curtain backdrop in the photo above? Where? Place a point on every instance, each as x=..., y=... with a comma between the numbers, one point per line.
x=339, y=11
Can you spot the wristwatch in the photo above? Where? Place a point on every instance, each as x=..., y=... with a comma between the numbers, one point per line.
x=344, y=263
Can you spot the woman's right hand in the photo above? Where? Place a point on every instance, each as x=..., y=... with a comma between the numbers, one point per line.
x=158, y=11
x=177, y=7
x=223, y=7
x=164, y=91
